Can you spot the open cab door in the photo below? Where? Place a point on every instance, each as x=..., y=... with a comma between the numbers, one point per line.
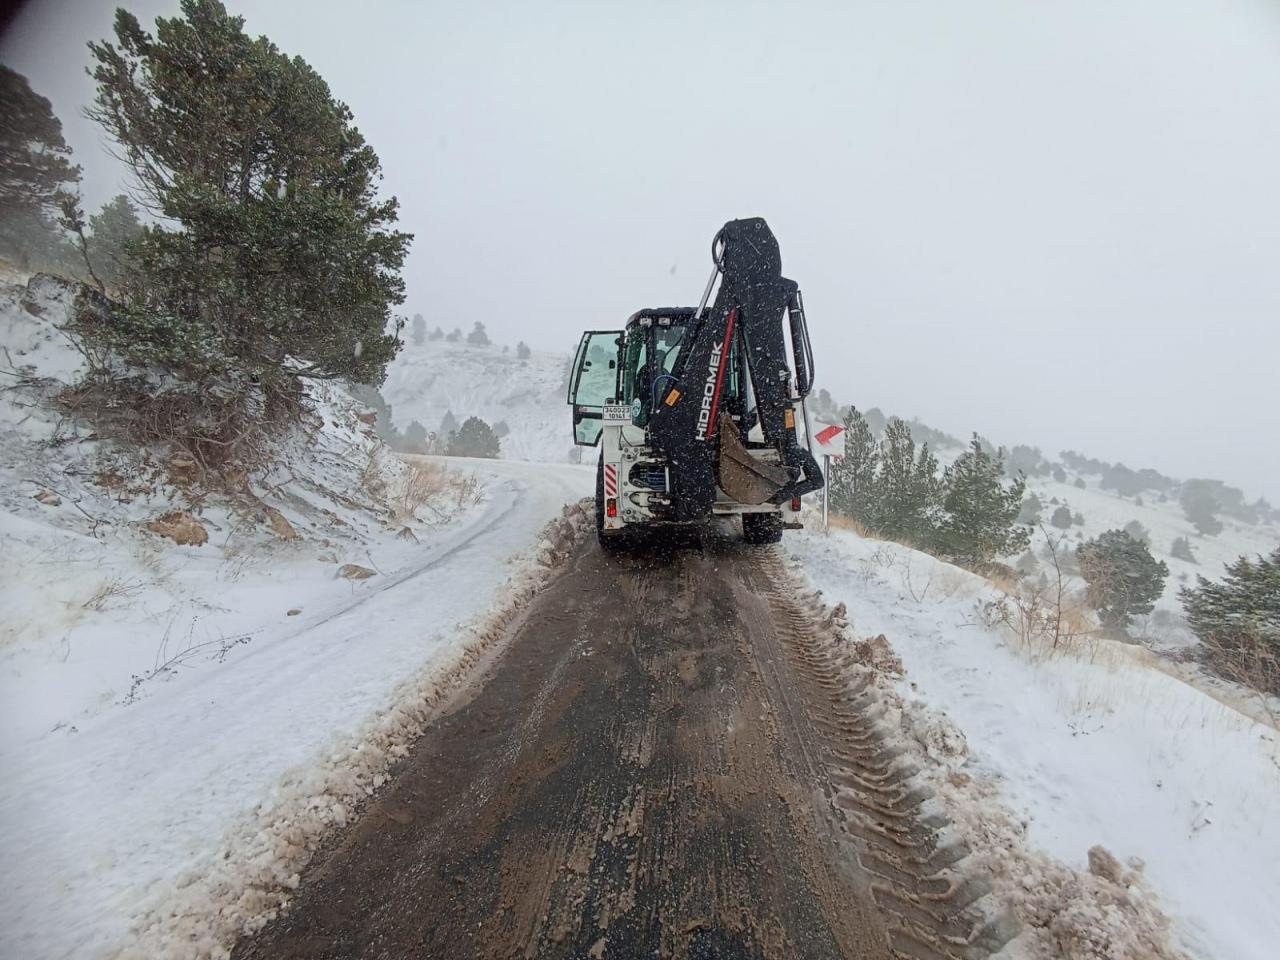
x=594, y=383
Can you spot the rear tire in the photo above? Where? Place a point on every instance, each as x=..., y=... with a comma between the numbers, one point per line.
x=762, y=527
x=610, y=542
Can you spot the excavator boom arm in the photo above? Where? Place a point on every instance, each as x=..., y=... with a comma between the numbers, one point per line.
x=689, y=423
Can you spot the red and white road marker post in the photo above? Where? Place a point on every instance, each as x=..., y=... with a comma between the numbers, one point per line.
x=830, y=441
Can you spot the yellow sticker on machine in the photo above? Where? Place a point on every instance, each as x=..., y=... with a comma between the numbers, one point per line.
x=672, y=397
x=789, y=418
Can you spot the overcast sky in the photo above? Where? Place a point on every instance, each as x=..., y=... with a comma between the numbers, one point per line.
x=1053, y=223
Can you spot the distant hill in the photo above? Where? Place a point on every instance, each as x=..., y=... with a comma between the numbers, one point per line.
x=436, y=378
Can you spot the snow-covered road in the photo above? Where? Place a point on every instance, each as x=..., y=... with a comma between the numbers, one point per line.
x=98, y=826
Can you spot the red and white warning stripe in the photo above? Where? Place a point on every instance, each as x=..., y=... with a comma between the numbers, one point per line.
x=610, y=480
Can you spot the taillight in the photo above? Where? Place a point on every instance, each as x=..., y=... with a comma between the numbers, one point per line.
x=611, y=507
x=795, y=504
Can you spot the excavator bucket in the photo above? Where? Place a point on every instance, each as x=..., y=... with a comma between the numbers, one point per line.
x=742, y=476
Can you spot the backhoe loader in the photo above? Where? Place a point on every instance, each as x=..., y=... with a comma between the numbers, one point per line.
x=698, y=408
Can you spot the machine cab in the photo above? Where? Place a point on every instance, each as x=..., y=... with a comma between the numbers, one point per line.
x=621, y=376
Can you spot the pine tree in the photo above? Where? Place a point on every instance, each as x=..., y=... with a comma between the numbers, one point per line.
x=284, y=263
x=1123, y=579
x=419, y=330
x=1136, y=530
x=415, y=438
x=1238, y=620
x=926, y=499
x=1181, y=550
x=1200, y=506
x=522, y=351
x=448, y=424
x=436, y=334
x=477, y=337
x=454, y=335
x=823, y=405
x=1026, y=565
x=896, y=502
x=35, y=171
x=1121, y=479
x=980, y=515
x=113, y=230
x=853, y=477
x=1029, y=513
x=474, y=438
x=1028, y=461
x=34, y=164
x=1061, y=518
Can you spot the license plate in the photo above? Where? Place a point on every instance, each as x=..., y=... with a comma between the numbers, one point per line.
x=617, y=413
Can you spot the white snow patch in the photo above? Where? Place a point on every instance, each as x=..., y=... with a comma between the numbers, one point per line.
x=1093, y=750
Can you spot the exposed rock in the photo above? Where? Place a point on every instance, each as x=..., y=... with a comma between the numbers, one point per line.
x=1102, y=863
x=407, y=534
x=293, y=613
x=47, y=497
x=368, y=416
x=353, y=571
x=279, y=524
x=180, y=527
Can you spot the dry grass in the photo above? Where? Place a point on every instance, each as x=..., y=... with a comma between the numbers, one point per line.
x=853, y=526
x=1046, y=619
x=466, y=489
x=423, y=484
x=419, y=485
x=1044, y=623
x=1248, y=659
x=112, y=588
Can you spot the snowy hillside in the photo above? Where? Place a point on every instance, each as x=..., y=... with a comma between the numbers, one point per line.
x=199, y=675
x=171, y=572
x=428, y=381
x=1105, y=510
x=1095, y=743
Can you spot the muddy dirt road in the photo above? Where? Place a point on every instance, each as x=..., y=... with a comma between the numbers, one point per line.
x=665, y=761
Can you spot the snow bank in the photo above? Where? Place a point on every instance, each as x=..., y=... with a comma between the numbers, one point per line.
x=247, y=881
x=1096, y=749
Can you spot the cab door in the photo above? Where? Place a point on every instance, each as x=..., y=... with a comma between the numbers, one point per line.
x=594, y=383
